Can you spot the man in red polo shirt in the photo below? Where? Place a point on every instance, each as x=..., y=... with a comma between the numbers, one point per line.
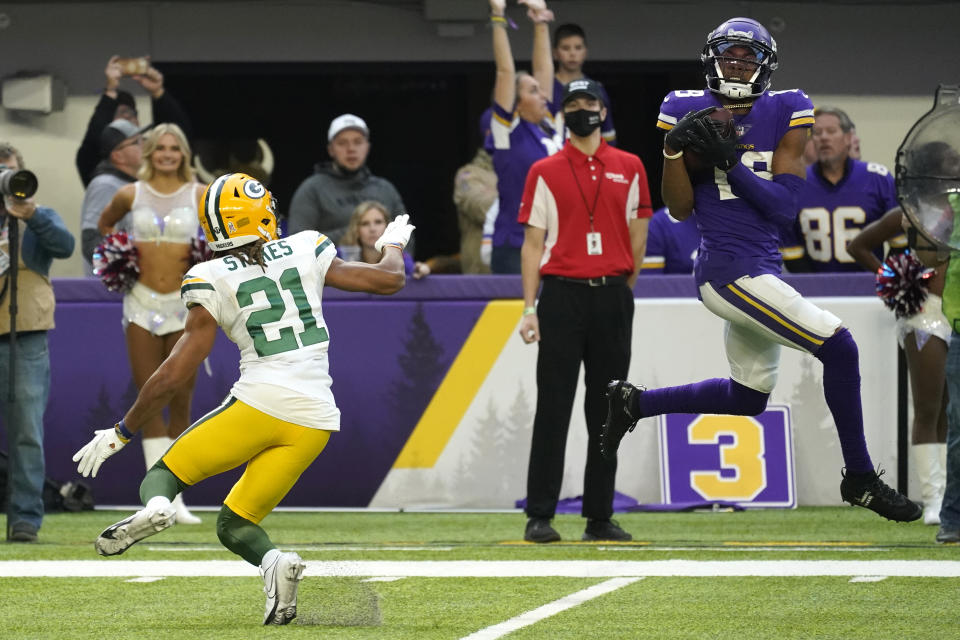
x=586, y=211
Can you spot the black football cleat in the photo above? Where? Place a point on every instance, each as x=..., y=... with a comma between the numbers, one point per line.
x=539, y=530
x=869, y=491
x=605, y=530
x=620, y=420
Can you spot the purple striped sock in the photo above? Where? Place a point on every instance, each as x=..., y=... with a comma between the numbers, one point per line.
x=717, y=395
x=841, y=388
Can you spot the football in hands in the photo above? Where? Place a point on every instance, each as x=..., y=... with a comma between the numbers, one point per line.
x=722, y=119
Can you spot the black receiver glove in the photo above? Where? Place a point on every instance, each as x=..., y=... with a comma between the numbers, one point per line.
x=719, y=146
x=690, y=131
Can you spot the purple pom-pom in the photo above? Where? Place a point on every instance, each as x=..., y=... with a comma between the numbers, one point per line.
x=902, y=283
x=116, y=261
x=200, y=251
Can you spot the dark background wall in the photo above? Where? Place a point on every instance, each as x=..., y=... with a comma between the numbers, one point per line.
x=423, y=119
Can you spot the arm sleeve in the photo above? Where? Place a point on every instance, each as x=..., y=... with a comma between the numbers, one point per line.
x=533, y=207
x=304, y=210
x=90, y=239
x=644, y=209
x=196, y=289
x=167, y=109
x=502, y=125
x=52, y=234
x=324, y=251
x=776, y=199
x=88, y=155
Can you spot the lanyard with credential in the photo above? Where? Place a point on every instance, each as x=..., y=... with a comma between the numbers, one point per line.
x=583, y=196
x=594, y=243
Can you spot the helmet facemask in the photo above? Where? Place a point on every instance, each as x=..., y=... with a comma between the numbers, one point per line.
x=744, y=33
x=237, y=210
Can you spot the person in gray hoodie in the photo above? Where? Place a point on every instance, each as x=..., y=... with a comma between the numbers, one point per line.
x=324, y=201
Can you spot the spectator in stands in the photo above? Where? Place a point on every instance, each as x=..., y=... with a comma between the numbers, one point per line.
x=474, y=193
x=121, y=146
x=116, y=103
x=163, y=205
x=672, y=245
x=324, y=201
x=42, y=237
x=570, y=52
x=367, y=223
x=840, y=197
x=924, y=337
x=521, y=126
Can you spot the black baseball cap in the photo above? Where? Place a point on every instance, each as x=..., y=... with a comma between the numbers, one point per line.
x=583, y=86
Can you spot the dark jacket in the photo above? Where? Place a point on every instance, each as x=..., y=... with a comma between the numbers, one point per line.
x=324, y=201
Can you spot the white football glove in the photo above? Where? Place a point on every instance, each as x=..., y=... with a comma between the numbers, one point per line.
x=105, y=443
x=397, y=232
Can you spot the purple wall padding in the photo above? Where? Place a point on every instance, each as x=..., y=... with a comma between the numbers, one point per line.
x=388, y=355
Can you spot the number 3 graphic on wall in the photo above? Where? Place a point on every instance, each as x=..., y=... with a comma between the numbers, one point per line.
x=744, y=456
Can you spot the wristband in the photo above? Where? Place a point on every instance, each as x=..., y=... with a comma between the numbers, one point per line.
x=502, y=21
x=395, y=245
x=674, y=156
x=122, y=432
x=529, y=311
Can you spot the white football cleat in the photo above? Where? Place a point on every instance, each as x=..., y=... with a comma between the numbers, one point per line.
x=184, y=515
x=119, y=537
x=281, y=573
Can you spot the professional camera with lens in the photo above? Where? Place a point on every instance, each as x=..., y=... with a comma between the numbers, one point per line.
x=18, y=183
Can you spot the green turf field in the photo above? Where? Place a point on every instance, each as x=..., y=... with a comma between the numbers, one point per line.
x=807, y=573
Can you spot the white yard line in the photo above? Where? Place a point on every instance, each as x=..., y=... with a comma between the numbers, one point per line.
x=867, y=578
x=383, y=579
x=315, y=547
x=491, y=569
x=550, y=609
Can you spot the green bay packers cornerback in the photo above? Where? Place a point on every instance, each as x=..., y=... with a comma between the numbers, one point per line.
x=264, y=293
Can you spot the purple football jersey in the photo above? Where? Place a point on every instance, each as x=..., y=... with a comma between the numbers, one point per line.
x=517, y=145
x=671, y=244
x=830, y=215
x=737, y=239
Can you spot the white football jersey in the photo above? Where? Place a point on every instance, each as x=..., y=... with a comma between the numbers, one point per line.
x=275, y=319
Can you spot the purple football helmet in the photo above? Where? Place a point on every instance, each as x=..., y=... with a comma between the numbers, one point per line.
x=746, y=33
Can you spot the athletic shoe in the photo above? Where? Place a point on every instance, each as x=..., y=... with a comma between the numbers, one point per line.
x=948, y=535
x=605, y=530
x=539, y=530
x=869, y=491
x=620, y=420
x=119, y=537
x=281, y=577
x=21, y=532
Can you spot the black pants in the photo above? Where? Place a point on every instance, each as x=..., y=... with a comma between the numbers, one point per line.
x=578, y=323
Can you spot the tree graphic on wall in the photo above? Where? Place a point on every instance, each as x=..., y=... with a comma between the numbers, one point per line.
x=422, y=370
x=512, y=442
x=101, y=414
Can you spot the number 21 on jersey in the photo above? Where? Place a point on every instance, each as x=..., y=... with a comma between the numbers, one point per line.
x=288, y=339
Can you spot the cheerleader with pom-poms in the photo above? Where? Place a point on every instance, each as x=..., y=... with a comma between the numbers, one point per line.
x=912, y=291
x=148, y=265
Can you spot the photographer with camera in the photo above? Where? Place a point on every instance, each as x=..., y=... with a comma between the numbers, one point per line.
x=116, y=103
x=26, y=314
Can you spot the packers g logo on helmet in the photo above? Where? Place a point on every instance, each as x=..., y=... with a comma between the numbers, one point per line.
x=237, y=210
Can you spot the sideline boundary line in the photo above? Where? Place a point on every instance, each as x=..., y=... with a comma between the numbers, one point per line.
x=489, y=569
x=550, y=609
